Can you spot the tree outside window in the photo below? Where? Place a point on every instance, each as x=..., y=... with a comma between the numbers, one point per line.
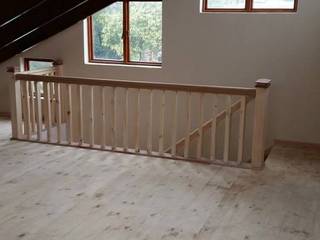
x=127, y=32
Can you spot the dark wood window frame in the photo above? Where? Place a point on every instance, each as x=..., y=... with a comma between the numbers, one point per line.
x=248, y=8
x=126, y=39
x=26, y=62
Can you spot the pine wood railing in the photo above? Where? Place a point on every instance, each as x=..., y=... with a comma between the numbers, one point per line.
x=47, y=107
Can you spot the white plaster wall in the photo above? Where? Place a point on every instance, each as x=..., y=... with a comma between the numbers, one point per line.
x=220, y=49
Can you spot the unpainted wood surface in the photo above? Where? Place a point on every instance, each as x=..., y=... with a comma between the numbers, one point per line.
x=50, y=192
x=139, y=84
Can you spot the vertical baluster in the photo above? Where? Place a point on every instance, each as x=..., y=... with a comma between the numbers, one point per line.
x=53, y=103
x=81, y=140
x=38, y=110
x=23, y=108
x=32, y=106
x=26, y=109
x=103, y=118
x=227, y=129
x=137, y=148
x=214, y=129
x=162, y=122
x=174, y=127
x=188, y=130
x=47, y=99
x=150, y=123
x=64, y=102
x=44, y=107
x=58, y=110
x=126, y=121
x=200, y=132
x=92, y=116
x=69, y=115
x=113, y=118
x=242, y=126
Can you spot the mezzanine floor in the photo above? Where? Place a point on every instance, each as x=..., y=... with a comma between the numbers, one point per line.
x=50, y=192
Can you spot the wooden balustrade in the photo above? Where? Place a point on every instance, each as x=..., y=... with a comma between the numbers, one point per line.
x=97, y=114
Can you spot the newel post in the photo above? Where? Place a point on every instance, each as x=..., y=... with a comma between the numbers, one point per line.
x=15, y=104
x=58, y=64
x=259, y=125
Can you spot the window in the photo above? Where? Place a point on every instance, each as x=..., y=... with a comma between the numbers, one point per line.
x=35, y=63
x=126, y=32
x=250, y=5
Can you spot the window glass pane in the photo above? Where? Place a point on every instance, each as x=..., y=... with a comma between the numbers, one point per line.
x=145, y=31
x=35, y=65
x=107, y=32
x=237, y=4
x=274, y=4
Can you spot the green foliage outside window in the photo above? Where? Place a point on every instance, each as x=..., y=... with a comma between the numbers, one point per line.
x=145, y=32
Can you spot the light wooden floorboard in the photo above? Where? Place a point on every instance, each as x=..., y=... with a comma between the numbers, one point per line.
x=50, y=192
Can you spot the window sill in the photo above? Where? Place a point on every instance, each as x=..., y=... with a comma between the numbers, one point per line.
x=256, y=11
x=110, y=64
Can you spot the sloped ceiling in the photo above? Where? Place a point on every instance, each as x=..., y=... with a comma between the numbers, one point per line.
x=26, y=23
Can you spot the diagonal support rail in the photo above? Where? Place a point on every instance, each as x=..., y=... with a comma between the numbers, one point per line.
x=207, y=125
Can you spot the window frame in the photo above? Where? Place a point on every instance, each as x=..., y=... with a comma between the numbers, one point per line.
x=125, y=39
x=26, y=62
x=248, y=8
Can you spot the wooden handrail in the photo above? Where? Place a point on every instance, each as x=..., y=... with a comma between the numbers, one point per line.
x=139, y=84
x=42, y=71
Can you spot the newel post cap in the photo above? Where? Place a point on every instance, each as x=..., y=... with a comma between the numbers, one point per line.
x=58, y=62
x=263, y=83
x=11, y=69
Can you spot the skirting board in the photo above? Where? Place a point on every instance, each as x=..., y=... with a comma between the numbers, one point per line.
x=297, y=144
x=4, y=114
